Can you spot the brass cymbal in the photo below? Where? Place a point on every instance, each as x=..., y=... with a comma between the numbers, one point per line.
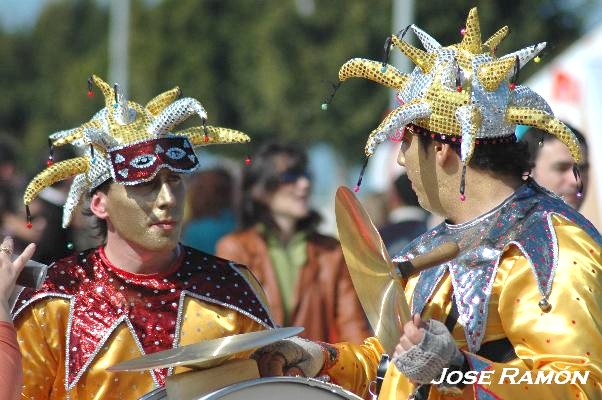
x=207, y=353
x=377, y=280
x=370, y=267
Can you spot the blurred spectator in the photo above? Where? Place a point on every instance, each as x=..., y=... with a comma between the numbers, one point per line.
x=57, y=241
x=553, y=165
x=375, y=204
x=303, y=272
x=406, y=220
x=52, y=241
x=8, y=165
x=209, y=199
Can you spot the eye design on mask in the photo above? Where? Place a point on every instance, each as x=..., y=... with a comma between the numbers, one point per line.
x=143, y=161
x=175, y=153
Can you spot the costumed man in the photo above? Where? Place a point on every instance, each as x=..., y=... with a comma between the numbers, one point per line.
x=141, y=292
x=522, y=292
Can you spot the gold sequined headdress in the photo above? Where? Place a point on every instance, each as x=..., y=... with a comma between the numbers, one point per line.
x=129, y=143
x=462, y=93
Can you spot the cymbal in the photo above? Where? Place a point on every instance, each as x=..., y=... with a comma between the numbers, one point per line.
x=377, y=280
x=207, y=353
x=370, y=267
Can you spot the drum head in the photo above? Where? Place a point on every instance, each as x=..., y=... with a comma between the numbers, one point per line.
x=289, y=388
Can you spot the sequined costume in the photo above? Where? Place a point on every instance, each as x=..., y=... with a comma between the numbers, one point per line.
x=530, y=249
x=90, y=315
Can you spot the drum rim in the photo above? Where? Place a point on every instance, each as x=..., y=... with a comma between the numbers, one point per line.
x=155, y=393
x=290, y=379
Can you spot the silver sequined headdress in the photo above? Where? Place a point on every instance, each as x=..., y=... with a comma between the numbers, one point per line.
x=461, y=93
x=129, y=143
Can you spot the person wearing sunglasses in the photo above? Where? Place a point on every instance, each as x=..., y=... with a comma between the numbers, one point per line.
x=302, y=272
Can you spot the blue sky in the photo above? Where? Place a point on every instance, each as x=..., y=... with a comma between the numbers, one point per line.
x=20, y=14
x=17, y=14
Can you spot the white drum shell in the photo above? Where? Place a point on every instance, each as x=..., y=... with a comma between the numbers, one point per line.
x=289, y=388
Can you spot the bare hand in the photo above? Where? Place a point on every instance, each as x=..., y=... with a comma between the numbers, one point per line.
x=413, y=332
x=274, y=364
x=9, y=271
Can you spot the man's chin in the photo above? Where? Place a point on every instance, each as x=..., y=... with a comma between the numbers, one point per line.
x=160, y=243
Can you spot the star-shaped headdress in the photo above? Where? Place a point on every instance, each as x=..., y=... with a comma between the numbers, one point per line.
x=129, y=143
x=461, y=93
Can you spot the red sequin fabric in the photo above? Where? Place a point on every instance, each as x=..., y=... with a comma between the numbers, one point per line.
x=102, y=296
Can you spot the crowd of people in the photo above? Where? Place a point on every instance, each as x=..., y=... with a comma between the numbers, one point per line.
x=181, y=262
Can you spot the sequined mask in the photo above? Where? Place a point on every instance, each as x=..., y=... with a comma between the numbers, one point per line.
x=129, y=143
x=137, y=163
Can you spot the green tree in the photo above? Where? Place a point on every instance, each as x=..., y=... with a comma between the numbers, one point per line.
x=257, y=66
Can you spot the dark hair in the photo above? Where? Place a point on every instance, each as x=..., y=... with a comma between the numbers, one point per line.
x=7, y=152
x=535, y=138
x=99, y=225
x=263, y=176
x=507, y=159
x=209, y=192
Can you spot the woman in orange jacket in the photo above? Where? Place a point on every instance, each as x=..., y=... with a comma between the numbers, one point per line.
x=303, y=272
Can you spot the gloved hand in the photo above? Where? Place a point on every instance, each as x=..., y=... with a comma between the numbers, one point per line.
x=425, y=349
x=292, y=356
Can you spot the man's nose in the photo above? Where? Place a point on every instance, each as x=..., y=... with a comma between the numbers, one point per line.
x=401, y=159
x=570, y=179
x=303, y=181
x=166, y=197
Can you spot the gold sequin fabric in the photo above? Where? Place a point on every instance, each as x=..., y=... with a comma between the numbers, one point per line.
x=122, y=123
x=469, y=92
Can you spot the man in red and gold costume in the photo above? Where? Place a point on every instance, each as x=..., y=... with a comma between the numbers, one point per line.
x=141, y=292
x=521, y=298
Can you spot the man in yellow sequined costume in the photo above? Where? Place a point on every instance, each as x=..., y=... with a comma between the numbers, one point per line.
x=519, y=307
x=140, y=292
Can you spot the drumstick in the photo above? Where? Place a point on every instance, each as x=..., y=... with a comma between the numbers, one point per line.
x=437, y=256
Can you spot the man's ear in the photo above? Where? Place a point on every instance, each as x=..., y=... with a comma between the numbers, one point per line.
x=444, y=153
x=98, y=204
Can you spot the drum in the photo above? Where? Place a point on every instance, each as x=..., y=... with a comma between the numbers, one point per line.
x=157, y=394
x=291, y=388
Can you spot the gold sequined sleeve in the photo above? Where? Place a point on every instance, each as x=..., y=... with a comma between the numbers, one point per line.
x=41, y=335
x=567, y=338
x=353, y=366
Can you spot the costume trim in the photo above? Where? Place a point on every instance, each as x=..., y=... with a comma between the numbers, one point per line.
x=525, y=220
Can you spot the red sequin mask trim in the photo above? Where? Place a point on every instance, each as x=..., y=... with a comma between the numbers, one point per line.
x=136, y=163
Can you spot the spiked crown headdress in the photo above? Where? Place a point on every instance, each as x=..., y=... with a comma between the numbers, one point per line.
x=462, y=92
x=129, y=143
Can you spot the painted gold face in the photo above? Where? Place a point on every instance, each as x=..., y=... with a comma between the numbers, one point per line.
x=149, y=214
x=421, y=170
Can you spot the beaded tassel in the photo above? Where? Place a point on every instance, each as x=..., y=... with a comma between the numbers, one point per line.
x=463, y=183
x=359, y=180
